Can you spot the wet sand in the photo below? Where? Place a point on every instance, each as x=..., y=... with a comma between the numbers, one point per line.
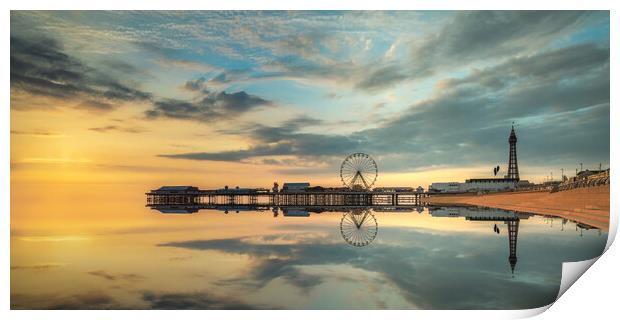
x=586, y=205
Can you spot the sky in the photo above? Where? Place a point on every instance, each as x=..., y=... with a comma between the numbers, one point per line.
x=251, y=97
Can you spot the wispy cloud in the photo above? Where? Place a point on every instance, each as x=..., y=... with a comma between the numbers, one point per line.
x=117, y=128
x=40, y=134
x=40, y=67
x=38, y=267
x=131, y=277
x=192, y=300
x=95, y=299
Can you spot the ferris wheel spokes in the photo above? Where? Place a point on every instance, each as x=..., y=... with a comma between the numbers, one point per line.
x=358, y=170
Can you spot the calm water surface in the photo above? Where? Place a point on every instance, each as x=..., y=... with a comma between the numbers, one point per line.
x=439, y=258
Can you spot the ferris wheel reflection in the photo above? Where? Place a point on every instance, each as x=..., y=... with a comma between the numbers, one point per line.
x=358, y=227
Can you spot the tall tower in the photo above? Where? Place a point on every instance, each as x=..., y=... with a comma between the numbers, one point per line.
x=513, y=231
x=513, y=168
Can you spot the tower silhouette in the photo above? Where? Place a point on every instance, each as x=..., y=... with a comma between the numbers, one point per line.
x=513, y=168
x=513, y=231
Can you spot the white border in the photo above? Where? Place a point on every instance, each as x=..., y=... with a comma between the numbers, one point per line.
x=584, y=300
x=314, y=5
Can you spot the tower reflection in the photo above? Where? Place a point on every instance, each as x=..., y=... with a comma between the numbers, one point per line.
x=513, y=232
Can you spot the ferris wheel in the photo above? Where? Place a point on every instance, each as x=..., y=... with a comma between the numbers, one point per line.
x=358, y=228
x=358, y=171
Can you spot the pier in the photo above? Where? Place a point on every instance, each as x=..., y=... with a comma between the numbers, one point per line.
x=262, y=199
x=358, y=173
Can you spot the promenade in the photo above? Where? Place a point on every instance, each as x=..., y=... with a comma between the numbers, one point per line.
x=588, y=205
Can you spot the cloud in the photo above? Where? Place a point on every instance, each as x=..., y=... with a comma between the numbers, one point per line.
x=131, y=277
x=281, y=141
x=88, y=300
x=264, y=271
x=474, y=36
x=122, y=68
x=208, y=107
x=99, y=300
x=324, y=48
x=38, y=267
x=193, y=300
x=271, y=260
x=42, y=134
x=40, y=67
x=185, y=258
x=116, y=128
x=469, y=37
x=196, y=85
x=174, y=63
x=384, y=77
x=561, y=93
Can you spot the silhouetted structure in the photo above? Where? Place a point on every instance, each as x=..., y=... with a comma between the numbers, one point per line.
x=513, y=168
x=291, y=195
x=513, y=231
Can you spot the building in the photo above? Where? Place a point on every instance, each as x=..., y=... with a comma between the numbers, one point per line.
x=295, y=186
x=238, y=190
x=170, y=190
x=393, y=189
x=508, y=183
x=173, y=195
x=445, y=187
x=474, y=185
x=491, y=184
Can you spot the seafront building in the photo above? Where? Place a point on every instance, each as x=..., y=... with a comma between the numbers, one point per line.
x=295, y=186
x=473, y=185
x=509, y=182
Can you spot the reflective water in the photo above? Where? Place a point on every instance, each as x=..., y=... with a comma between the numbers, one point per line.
x=438, y=258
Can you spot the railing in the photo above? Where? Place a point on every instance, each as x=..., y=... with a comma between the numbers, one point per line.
x=593, y=180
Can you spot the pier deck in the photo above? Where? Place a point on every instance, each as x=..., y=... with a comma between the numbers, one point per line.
x=265, y=198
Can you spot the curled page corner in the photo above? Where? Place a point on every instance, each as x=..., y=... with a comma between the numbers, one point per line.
x=613, y=228
x=528, y=313
x=571, y=271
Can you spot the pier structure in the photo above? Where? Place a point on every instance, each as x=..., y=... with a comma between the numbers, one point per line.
x=257, y=198
x=358, y=173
